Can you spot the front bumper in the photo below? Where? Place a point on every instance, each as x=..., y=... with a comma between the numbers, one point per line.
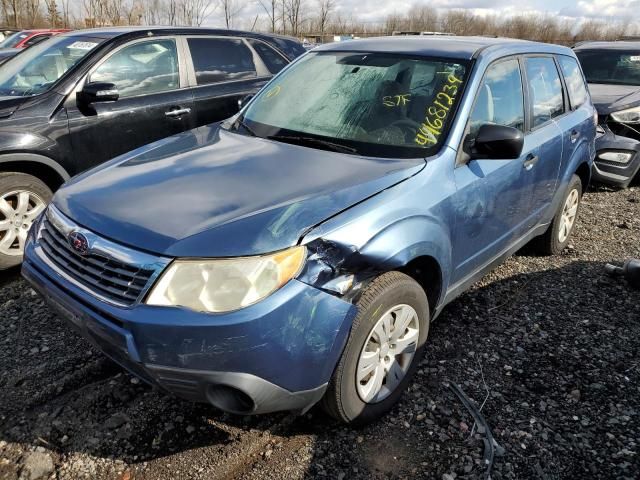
x=614, y=173
x=278, y=354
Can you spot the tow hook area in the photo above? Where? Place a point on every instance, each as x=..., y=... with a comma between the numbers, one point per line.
x=630, y=271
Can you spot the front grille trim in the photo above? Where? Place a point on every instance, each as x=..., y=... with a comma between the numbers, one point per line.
x=114, y=273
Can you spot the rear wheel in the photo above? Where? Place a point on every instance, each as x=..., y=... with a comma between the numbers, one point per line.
x=384, y=347
x=556, y=238
x=22, y=198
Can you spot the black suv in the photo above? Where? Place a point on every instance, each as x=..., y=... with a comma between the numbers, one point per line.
x=612, y=70
x=84, y=97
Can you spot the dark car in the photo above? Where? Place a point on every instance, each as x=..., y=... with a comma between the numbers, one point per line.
x=300, y=249
x=80, y=98
x=612, y=70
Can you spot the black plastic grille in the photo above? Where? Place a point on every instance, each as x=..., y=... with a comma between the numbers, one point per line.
x=111, y=279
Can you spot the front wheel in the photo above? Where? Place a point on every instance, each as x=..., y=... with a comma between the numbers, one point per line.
x=384, y=347
x=22, y=198
x=556, y=238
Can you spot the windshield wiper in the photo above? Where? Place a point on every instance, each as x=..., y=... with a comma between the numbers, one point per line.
x=300, y=140
x=240, y=123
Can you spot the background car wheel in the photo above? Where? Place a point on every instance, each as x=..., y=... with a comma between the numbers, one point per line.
x=383, y=350
x=22, y=198
x=557, y=236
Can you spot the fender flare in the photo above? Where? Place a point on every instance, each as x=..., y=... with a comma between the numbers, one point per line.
x=35, y=158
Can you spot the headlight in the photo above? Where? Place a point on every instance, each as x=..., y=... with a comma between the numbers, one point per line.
x=631, y=115
x=226, y=284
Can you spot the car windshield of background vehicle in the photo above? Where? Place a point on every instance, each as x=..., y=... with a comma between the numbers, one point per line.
x=12, y=40
x=36, y=69
x=611, y=66
x=375, y=104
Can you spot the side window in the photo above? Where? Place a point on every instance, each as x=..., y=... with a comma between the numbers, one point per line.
x=221, y=59
x=500, y=99
x=545, y=89
x=272, y=59
x=141, y=68
x=574, y=80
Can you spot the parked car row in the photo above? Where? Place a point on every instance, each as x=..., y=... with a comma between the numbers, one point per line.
x=297, y=251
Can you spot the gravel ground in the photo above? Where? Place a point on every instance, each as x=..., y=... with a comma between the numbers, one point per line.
x=549, y=345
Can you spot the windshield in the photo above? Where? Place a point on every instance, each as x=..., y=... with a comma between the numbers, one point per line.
x=12, y=40
x=611, y=66
x=382, y=105
x=36, y=69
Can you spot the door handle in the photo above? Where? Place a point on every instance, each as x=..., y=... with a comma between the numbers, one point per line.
x=178, y=112
x=530, y=161
x=574, y=136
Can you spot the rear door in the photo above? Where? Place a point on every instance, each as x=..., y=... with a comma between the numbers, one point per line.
x=154, y=101
x=222, y=71
x=547, y=105
x=578, y=125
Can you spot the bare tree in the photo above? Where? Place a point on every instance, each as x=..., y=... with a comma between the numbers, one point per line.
x=270, y=7
x=294, y=15
x=325, y=7
x=230, y=9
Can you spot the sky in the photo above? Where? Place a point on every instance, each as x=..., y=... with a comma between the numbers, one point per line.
x=376, y=10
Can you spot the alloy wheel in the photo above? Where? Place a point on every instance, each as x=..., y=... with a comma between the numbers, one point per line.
x=18, y=210
x=568, y=217
x=387, y=353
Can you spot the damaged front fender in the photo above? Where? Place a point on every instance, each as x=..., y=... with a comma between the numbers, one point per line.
x=385, y=233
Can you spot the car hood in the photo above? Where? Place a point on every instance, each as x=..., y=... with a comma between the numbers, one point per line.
x=213, y=193
x=613, y=98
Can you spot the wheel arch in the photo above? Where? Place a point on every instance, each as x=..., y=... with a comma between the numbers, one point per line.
x=584, y=172
x=426, y=270
x=41, y=167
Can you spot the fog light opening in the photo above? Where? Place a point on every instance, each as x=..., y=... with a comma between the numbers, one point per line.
x=615, y=156
x=230, y=399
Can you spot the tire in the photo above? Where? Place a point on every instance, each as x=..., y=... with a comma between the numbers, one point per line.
x=12, y=185
x=343, y=400
x=552, y=242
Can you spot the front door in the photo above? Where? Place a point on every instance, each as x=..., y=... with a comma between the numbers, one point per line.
x=154, y=102
x=492, y=195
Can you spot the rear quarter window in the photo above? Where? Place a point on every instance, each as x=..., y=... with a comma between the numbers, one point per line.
x=272, y=59
x=575, y=81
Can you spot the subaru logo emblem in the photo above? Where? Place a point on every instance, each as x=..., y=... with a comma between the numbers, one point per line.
x=79, y=243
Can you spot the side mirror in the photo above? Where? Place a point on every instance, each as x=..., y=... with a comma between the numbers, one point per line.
x=244, y=100
x=98, y=92
x=497, y=142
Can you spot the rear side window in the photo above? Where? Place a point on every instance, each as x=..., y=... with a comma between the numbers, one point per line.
x=500, y=100
x=272, y=59
x=221, y=59
x=545, y=89
x=291, y=47
x=574, y=80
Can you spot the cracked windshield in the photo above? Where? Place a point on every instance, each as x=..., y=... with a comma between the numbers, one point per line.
x=371, y=104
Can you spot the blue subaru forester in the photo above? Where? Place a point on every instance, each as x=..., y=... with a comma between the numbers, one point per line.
x=297, y=252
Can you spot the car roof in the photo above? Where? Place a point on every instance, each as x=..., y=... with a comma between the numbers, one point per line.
x=459, y=47
x=112, y=32
x=615, y=45
x=43, y=30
